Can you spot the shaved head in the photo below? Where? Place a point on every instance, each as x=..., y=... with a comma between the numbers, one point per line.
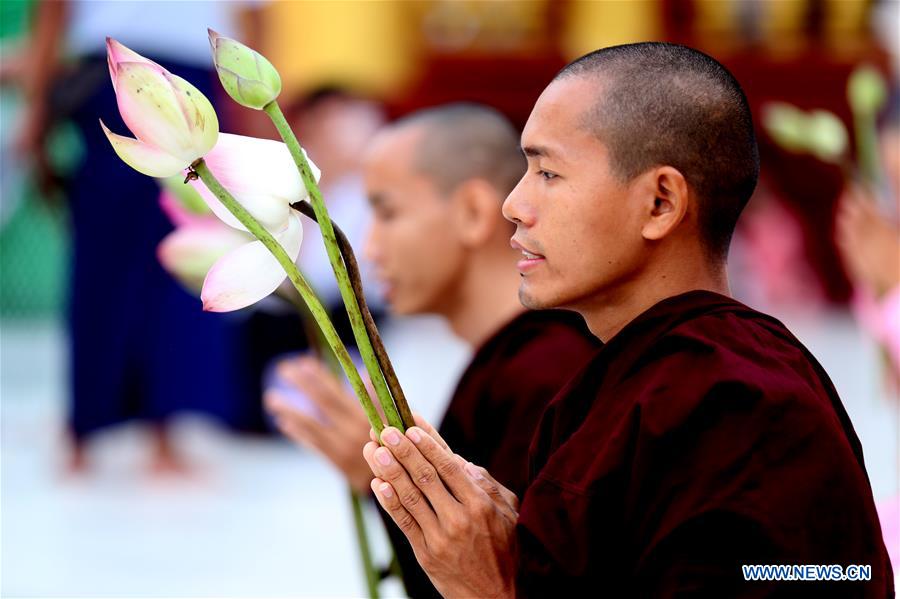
x=465, y=141
x=665, y=104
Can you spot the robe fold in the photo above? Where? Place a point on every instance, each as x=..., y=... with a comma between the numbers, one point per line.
x=700, y=438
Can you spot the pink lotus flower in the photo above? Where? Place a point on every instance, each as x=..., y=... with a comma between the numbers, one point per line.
x=249, y=273
x=226, y=267
x=190, y=251
x=173, y=123
x=260, y=174
x=262, y=177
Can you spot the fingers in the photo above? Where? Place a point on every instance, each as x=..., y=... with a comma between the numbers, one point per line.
x=369, y=455
x=318, y=384
x=390, y=502
x=301, y=427
x=505, y=500
x=445, y=463
x=386, y=467
x=331, y=386
x=421, y=472
x=426, y=426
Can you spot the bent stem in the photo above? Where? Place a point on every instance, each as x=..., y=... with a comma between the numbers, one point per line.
x=315, y=306
x=381, y=354
x=340, y=270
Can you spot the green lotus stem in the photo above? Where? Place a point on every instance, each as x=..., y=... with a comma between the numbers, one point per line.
x=320, y=348
x=340, y=270
x=362, y=540
x=864, y=127
x=313, y=334
x=381, y=354
x=309, y=297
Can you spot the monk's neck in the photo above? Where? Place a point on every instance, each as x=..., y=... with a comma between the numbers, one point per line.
x=486, y=299
x=611, y=311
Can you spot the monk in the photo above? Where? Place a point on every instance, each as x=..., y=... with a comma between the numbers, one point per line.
x=703, y=437
x=436, y=181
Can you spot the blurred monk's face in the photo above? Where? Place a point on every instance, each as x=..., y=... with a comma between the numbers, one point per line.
x=412, y=241
x=579, y=231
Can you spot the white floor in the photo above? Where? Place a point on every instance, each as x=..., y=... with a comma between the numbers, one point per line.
x=265, y=520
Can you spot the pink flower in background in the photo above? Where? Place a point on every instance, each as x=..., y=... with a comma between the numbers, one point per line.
x=173, y=123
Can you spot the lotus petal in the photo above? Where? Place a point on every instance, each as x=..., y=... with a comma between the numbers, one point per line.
x=249, y=273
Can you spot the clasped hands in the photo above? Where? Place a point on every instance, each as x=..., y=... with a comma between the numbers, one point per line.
x=458, y=519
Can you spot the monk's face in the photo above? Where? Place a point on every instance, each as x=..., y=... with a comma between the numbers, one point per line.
x=411, y=242
x=579, y=233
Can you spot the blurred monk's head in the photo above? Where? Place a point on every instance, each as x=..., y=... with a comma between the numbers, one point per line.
x=436, y=180
x=640, y=160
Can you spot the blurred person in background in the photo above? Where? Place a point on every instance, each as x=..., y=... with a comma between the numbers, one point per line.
x=140, y=346
x=436, y=180
x=869, y=240
x=868, y=237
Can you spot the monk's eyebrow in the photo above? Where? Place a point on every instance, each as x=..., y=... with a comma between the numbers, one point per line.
x=536, y=151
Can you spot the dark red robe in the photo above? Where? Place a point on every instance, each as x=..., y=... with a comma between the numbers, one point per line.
x=498, y=402
x=701, y=438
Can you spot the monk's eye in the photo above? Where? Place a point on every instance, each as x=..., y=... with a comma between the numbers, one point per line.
x=385, y=214
x=547, y=176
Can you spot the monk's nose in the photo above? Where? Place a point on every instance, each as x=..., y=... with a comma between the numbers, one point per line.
x=515, y=207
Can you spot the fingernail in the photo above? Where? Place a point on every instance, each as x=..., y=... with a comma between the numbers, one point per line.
x=392, y=437
x=414, y=435
x=383, y=456
x=386, y=490
x=473, y=471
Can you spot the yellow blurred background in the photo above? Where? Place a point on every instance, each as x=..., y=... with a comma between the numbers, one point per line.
x=250, y=523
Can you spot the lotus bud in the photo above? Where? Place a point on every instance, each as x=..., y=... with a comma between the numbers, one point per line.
x=247, y=76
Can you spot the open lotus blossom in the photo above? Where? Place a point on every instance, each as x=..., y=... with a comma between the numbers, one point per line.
x=182, y=203
x=190, y=251
x=249, y=273
x=262, y=177
x=173, y=123
x=260, y=174
x=226, y=267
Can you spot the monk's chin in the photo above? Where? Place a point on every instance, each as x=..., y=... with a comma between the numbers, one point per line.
x=531, y=301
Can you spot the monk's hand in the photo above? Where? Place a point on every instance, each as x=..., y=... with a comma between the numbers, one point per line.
x=458, y=519
x=343, y=428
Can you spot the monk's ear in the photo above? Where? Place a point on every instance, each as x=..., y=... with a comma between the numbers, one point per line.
x=669, y=196
x=476, y=212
